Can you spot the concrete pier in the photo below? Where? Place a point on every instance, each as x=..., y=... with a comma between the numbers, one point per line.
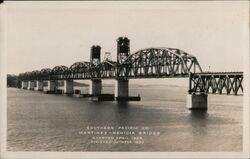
x=95, y=87
x=51, y=87
x=121, y=89
x=68, y=87
x=24, y=85
x=197, y=101
x=39, y=86
x=31, y=85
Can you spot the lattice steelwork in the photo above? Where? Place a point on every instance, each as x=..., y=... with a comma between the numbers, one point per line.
x=216, y=83
x=60, y=72
x=148, y=63
x=81, y=70
x=156, y=62
x=45, y=73
x=145, y=63
x=107, y=69
x=159, y=62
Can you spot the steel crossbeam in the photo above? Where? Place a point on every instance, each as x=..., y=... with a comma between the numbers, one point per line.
x=216, y=83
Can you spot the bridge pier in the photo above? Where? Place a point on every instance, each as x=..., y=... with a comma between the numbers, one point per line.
x=121, y=89
x=197, y=101
x=51, y=87
x=24, y=85
x=31, y=85
x=68, y=87
x=39, y=86
x=95, y=87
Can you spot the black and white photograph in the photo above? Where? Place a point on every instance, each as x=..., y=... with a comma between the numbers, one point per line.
x=126, y=76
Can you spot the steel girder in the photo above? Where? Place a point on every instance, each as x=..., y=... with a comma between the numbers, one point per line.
x=45, y=73
x=81, y=70
x=158, y=62
x=60, y=72
x=25, y=76
x=146, y=63
x=216, y=83
x=106, y=69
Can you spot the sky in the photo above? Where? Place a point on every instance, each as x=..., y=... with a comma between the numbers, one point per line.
x=47, y=34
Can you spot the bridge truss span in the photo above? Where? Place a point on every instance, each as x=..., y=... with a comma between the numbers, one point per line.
x=107, y=69
x=216, y=83
x=60, y=72
x=158, y=62
x=81, y=70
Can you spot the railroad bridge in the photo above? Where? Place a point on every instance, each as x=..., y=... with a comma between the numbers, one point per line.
x=158, y=62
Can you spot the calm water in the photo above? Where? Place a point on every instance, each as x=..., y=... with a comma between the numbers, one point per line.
x=45, y=122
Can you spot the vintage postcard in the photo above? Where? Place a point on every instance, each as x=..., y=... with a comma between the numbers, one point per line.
x=125, y=79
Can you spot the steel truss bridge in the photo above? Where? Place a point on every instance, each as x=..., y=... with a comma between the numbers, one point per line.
x=158, y=62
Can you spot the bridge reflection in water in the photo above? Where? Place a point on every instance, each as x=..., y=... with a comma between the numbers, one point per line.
x=159, y=62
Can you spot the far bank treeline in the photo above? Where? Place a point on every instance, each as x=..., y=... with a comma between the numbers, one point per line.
x=12, y=81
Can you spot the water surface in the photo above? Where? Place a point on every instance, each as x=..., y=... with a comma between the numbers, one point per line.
x=47, y=122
